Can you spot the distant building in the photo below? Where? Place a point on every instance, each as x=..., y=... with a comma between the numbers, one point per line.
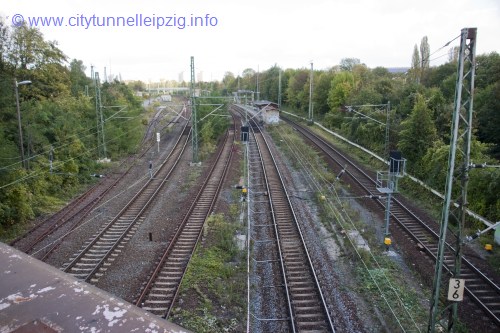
x=270, y=113
x=398, y=70
x=166, y=98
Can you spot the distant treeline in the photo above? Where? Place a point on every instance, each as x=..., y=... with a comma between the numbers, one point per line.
x=421, y=104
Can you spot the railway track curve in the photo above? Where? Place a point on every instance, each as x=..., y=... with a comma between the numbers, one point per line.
x=483, y=291
x=69, y=218
x=91, y=261
x=161, y=289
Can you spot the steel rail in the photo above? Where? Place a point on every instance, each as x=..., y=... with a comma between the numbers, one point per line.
x=423, y=240
x=179, y=252
x=176, y=153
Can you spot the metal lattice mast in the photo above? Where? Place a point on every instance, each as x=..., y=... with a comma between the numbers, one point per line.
x=101, y=143
x=457, y=175
x=194, y=120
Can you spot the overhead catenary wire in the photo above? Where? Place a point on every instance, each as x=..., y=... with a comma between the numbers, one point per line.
x=58, y=145
x=339, y=218
x=343, y=219
x=59, y=163
x=103, y=205
x=428, y=59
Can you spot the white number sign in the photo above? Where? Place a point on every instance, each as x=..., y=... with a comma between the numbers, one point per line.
x=456, y=290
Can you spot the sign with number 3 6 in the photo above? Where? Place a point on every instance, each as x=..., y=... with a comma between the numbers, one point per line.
x=456, y=290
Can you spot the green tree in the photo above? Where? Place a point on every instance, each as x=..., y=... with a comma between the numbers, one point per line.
x=487, y=100
x=269, y=82
x=229, y=83
x=347, y=64
x=296, y=93
x=425, y=51
x=488, y=70
x=488, y=117
x=248, y=79
x=453, y=54
x=29, y=50
x=418, y=134
x=78, y=78
x=415, y=65
x=341, y=90
x=322, y=86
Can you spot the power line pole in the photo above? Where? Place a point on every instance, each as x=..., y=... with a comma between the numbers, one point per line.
x=258, y=91
x=310, y=94
x=279, y=89
x=457, y=175
x=194, y=120
x=387, y=183
x=387, y=125
x=101, y=143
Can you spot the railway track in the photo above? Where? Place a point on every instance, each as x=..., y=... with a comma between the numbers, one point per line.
x=99, y=251
x=268, y=306
x=307, y=308
x=483, y=291
x=68, y=219
x=162, y=287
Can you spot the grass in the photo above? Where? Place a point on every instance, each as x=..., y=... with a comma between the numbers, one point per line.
x=45, y=205
x=215, y=282
x=387, y=290
x=193, y=175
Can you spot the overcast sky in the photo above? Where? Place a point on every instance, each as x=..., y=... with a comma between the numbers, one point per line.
x=257, y=34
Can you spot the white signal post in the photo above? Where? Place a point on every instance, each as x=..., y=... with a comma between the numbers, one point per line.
x=158, y=140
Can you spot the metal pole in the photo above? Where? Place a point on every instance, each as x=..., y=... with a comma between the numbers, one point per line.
x=279, y=89
x=388, y=109
x=310, y=94
x=101, y=146
x=387, y=213
x=258, y=91
x=194, y=120
x=456, y=175
x=21, y=143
